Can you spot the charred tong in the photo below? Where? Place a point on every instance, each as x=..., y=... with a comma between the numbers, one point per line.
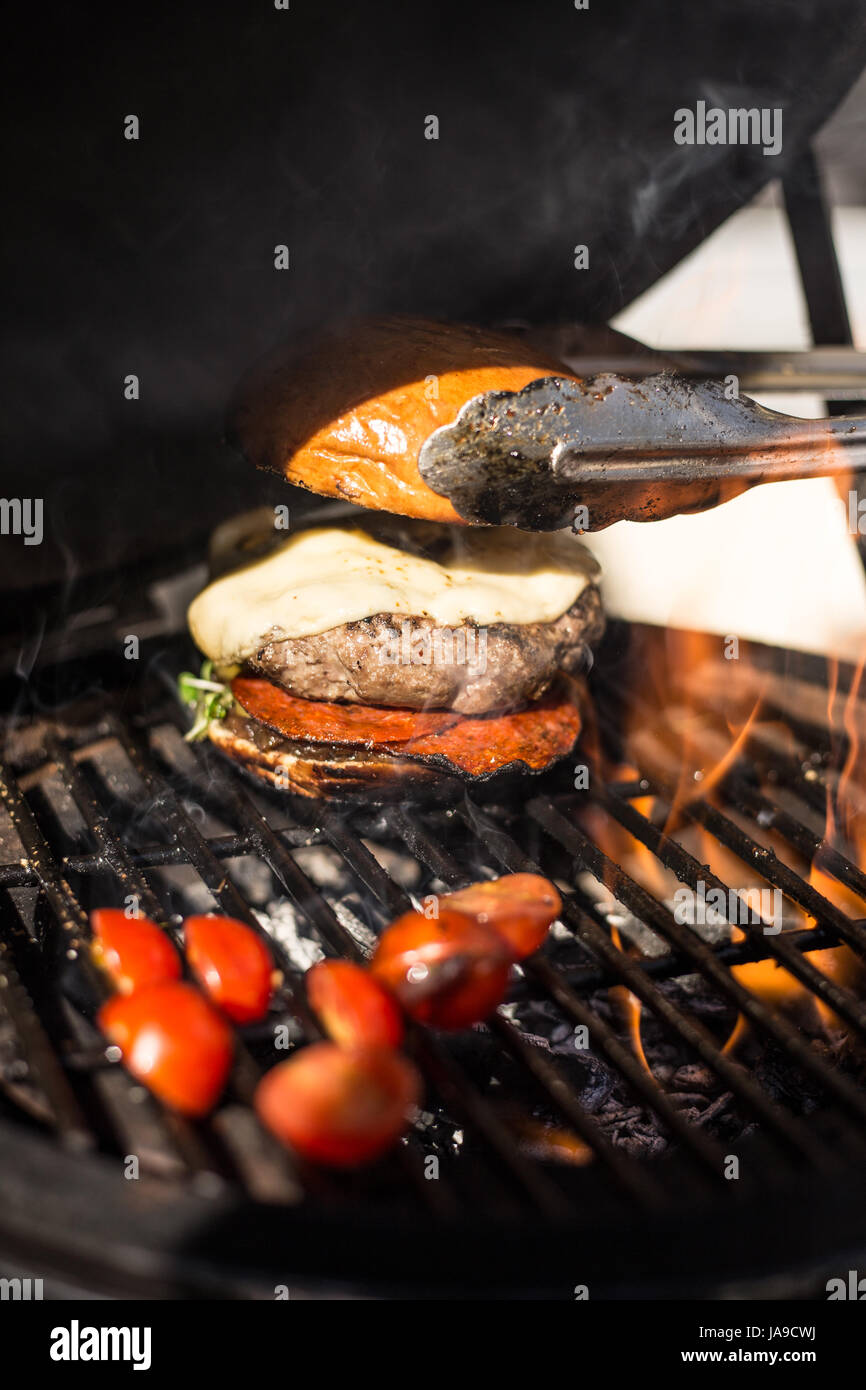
x=562, y=452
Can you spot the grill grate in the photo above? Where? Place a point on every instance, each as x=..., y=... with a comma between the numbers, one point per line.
x=121, y=805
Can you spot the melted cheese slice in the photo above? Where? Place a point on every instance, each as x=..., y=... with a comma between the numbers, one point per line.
x=330, y=575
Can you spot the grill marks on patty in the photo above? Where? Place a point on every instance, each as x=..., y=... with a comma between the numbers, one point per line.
x=502, y=666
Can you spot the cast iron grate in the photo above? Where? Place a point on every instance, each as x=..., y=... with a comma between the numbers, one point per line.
x=120, y=805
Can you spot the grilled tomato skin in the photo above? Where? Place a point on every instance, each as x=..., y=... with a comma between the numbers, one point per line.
x=172, y=1041
x=448, y=971
x=518, y=907
x=133, y=951
x=339, y=1106
x=232, y=964
x=354, y=1009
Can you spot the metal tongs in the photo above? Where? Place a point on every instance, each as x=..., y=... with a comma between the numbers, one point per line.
x=588, y=453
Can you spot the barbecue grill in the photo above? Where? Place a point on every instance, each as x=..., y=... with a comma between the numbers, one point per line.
x=564, y=1160
x=104, y=799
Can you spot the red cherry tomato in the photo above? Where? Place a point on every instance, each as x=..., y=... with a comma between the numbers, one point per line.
x=448, y=971
x=352, y=1007
x=519, y=907
x=133, y=951
x=173, y=1041
x=232, y=964
x=338, y=1106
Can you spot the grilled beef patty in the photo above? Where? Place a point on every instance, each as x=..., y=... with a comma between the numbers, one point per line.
x=410, y=662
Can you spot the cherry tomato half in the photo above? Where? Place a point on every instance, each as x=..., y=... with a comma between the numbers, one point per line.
x=448, y=971
x=354, y=1009
x=173, y=1041
x=133, y=951
x=232, y=964
x=338, y=1106
x=519, y=907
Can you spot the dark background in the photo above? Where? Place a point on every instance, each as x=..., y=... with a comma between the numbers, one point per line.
x=306, y=127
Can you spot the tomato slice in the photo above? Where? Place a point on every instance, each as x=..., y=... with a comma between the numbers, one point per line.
x=173, y=1041
x=325, y=721
x=133, y=951
x=232, y=964
x=448, y=971
x=518, y=907
x=535, y=736
x=339, y=1106
x=354, y=1009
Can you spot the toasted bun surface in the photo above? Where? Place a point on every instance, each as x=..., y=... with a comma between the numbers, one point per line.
x=348, y=418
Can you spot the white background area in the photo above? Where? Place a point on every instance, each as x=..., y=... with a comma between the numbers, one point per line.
x=777, y=564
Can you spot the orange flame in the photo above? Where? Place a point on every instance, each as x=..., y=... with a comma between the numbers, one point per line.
x=703, y=738
x=844, y=828
x=629, y=1007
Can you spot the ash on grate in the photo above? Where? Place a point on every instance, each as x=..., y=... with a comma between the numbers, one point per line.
x=353, y=908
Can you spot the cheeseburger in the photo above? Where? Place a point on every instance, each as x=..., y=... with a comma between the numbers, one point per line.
x=382, y=645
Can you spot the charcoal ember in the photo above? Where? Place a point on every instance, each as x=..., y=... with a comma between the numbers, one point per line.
x=663, y=1072
x=632, y=1129
x=693, y=1077
x=599, y=1083
x=642, y=1145
x=566, y=951
x=541, y=1025
x=490, y=1069
x=442, y=1133
x=785, y=1082
x=728, y=1128
x=718, y=1110
x=691, y=993
x=842, y=1049
x=602, y=1004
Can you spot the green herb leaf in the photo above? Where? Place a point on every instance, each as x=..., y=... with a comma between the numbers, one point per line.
x=209, y=699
